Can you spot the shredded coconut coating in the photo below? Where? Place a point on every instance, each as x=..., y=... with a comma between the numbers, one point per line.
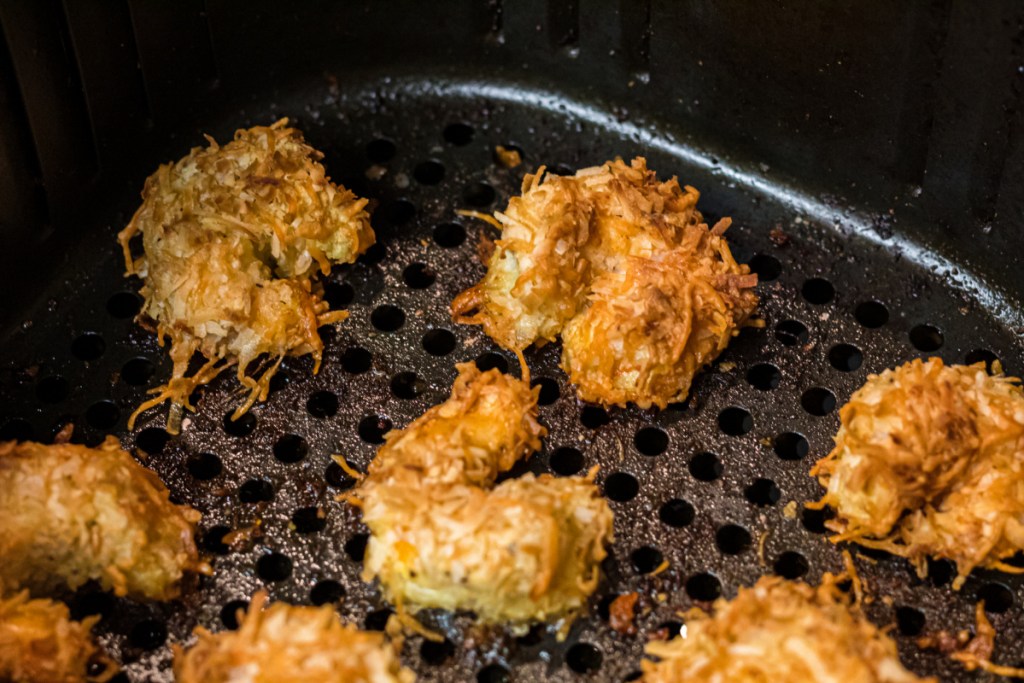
x=779, y=630
x=929, y=462
x=69, y=514
x=623, y=267
x=288, y=644
x=40, y=644
x=526, y=550
x=233, y=236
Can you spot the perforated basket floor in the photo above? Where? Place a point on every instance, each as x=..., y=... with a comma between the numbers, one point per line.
x=714, y=487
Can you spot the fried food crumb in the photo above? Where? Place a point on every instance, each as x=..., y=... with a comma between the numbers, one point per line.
x=926, y=464
x=974, y=652
x=444, y=535
x=779, y=630
x=289, y=644
x=622, y=614
x=233, y=236
x=69, y=514
x=509, y=158
x=623, y=267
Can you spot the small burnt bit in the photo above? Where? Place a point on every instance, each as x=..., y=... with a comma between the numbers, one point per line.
x=703, y=488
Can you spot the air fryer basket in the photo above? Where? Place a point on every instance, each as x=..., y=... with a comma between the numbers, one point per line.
x=876, y=241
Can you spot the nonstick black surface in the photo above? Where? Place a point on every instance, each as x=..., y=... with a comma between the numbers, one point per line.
x=704, y=485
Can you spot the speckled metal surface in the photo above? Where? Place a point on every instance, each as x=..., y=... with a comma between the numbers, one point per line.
x=710, y=487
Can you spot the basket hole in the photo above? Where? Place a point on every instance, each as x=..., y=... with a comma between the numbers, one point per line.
x=764, y=376
x=791, y=565
x=909, y=620
x=941, y=572
x=763, y=492
x=419, y=275
x=997, y=597
x=256, y=491
x=291, y=448
x=814, y=520
x=493, y=673
x=982, y=356
x=53, y=389
x=818, y=401
x=243, y=426
x=394, y=213
x=449, y=235
x=407, y=385
x=374, y=254
x=232, y=613
x=735, y=421
x=279, y=381
x=703, y=587
x=380, y=150
x=17, y=429
x=152, y=440
x=566, y=461
x=705, y=467
x=355, y=547
x=148, y=634
x=491, y=361
x=378, y=619
x=138, y=371
x=356, y=360
x=845, y=357
x=594, y=417
x=338, y=294
x=204, y=466
x=871, y=314
x=621, y=487
x=671, y=629
x=88, y=346
x=791, y=446
x=766, y=267
x=549, y=391
x=274, y=567
x=124, y=305
x=651, y=441
x=372, y=428
x=479, y=194
x=563, y=169
x=676, y=513
x=309, y=520
x=102, y=414
x=792, y=333
x=85, y=605
x=818, y=291
x=732, y=539
x=436, y=653
x=322, y=404
x=438, y=342
x=458, y=134
x=926, y=338
x=387, y=318
x=326, y=592
x=337, y=477
x=429, y=172
x=646, y=559
x=213, y=540
x=584, y=658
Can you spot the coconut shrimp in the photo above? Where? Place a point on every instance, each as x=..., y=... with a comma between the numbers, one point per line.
x=624, y=268
x=232, y=239
x=289, y=644
x=927, y=464
x=443, y=535
x=70, y=514
x=780, y=630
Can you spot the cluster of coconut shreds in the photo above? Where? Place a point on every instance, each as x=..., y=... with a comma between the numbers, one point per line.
x=927, y=463
x=780, y=630
x=623, y=267
x=232, y=236
x=443, y=535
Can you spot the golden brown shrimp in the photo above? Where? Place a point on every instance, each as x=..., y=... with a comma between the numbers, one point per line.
x=780, y=630
x=288, y=644
x=623, y=267
x=927, y=464
x=69, y=514
x=233, y=236
x=527, y=549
